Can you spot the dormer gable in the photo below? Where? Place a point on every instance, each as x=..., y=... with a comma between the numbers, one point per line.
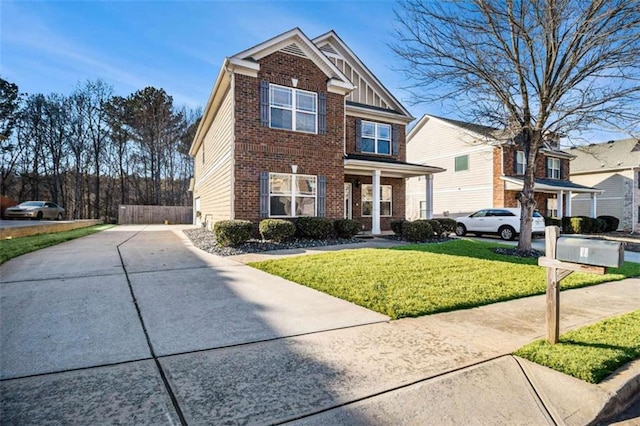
x=368, y=90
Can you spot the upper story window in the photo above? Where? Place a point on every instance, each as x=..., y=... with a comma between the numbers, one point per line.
x=293, y=109
x=553, y=168
x=292, y=195
x=521, y=163
x=376, y=138
x=461, y=163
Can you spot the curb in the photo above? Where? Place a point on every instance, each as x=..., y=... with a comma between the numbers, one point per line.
x=624, y=391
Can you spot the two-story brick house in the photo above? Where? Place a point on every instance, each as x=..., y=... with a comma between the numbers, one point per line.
x=300, y=127
x=484, y=169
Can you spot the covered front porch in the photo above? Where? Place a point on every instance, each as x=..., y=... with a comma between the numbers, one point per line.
x=375, y=190
x=563, y=191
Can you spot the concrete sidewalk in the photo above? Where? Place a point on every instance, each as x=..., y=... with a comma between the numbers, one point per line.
x=135, y=325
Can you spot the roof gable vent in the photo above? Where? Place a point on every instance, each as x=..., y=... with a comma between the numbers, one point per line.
x=293, y=49
x=327, y=48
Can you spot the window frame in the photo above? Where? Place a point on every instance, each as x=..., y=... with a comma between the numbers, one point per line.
x=455, y=163
x=421, y=210
x=364, y=200
x=293, y=194
x=522, y=163
x=376, y=137
x=293, y=108
x=551, y=171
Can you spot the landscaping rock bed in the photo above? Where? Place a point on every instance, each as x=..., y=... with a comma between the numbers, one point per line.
x=518, y=253
x=206, y=240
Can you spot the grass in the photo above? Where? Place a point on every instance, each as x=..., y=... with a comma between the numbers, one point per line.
x=15, y=247
x=420, y=279
x=590, y=353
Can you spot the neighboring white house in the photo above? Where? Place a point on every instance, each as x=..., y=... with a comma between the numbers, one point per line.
x=614, y=167
x=461, y=149
x=484, y=169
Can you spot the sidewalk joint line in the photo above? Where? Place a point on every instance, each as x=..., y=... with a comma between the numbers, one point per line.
x=272, y=339
x=535, y=391
x=393, y=389
x=163, y=376
x=71, y=370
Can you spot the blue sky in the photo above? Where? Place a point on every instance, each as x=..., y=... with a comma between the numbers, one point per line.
x=50, y=46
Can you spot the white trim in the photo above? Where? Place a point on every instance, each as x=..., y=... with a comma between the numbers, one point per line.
x=374, y=114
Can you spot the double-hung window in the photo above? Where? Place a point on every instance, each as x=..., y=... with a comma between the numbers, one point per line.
x=553, y=168
x=521, y=163
x=293, y=109
x=376, y=138
x=423, y=209
x=385, y=200
x=292, y=195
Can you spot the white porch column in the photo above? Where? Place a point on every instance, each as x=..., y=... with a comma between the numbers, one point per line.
x=594, y=204
x=560, y=204
x=429, y=195
x=375, y=208
x=569, y=203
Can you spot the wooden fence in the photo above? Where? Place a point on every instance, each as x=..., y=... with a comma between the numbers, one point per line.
x=146, y=215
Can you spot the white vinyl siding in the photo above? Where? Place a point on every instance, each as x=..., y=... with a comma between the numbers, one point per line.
x=213, y=178
x=618, y=191
x=438, y=144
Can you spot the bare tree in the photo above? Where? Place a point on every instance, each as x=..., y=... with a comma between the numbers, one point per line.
x=536, y=68
x=10, y=149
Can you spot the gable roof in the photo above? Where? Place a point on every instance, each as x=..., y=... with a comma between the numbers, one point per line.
x=333, y=46
x=293, y=42
x=612, y=155
x=477, y=129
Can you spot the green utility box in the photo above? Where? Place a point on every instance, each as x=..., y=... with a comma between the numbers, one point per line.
x=590, y=252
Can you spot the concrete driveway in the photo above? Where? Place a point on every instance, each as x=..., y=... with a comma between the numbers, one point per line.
x=136, y=326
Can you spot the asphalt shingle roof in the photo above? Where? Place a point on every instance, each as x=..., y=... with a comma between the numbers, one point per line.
x=621, y=154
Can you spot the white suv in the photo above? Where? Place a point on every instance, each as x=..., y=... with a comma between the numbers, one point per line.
x=502, y=221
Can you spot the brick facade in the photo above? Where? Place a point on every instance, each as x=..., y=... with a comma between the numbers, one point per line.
x=350, y=144
x=503, y=160
x=259, y=148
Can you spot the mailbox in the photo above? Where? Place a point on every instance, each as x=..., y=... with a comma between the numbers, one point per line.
x=590, y=252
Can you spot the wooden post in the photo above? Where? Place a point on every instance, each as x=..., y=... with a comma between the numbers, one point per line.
x=553, y=287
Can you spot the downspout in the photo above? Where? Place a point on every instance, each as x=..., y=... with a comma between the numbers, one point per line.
x=232, y=93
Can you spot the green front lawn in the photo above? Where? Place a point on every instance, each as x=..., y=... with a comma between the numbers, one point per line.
x=420, y=279
x=590, y=353
x=14, y=247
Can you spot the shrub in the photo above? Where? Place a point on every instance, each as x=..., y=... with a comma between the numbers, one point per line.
x=396, y=226
x=599, y=226
x=418, y=230
x=447, y=225
x=346, y=228
x=435, y=225
x=277, y=230
x=567, y=226
x=552, y=221
x=232, y=232
x=314, y=228
x=612, y=223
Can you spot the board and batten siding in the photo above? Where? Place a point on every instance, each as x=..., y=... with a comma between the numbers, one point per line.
x=214, y=176
x=438, y=144
x=617, y=186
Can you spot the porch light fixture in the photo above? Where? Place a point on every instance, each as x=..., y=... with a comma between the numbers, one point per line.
x=357, y=183
x=294, y=168
x=294, y=82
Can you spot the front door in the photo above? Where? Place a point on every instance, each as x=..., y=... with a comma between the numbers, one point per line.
x=347, y=201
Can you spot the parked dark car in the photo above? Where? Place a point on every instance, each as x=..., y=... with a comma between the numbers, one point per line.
x=35, y=210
